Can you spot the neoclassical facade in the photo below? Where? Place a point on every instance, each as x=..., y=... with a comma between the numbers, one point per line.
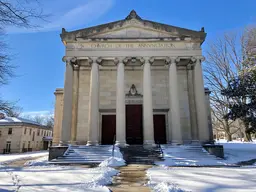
x=133, y=81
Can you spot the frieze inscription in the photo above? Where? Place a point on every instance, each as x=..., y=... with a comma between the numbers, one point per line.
x=120, y=45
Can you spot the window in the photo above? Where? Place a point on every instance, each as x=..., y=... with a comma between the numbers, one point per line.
x=8, y=147
x=0, y=133
x=37, y=144
x=29, y=144
x=25, y=131
x=44, y=133
x=33, y=137
x=30, y=131
x=9, y=131
x=24, y=144
x=38, y=132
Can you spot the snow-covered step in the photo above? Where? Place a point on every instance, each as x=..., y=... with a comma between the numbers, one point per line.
x=84, y=154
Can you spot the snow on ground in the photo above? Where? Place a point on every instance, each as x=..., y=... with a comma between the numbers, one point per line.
x=42, y=161
x=183, y=155
x=112, y=162
x=165, y=179
x=56, y=178
x=115, y=161
x=8, y=158
x=237, y=151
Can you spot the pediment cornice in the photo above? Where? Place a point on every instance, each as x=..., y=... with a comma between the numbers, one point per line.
x=133, y=21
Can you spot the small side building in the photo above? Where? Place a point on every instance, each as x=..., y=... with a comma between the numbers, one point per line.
x=21, y=135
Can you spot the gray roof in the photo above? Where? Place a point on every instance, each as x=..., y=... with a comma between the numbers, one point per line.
x=18, y=121
x=87, y=32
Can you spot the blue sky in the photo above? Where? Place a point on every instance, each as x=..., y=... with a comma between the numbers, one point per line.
x=38, y=53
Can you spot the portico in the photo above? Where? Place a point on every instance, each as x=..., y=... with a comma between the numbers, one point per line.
x=134, y=79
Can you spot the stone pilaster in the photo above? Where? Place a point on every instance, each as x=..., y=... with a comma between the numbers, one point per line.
x=67, y=102
x=148, y=124
x=58, y=111
x=174, y=125
x=75, y=101
x=93, y=119
x=120, y=104
x=201, y=111
x=192, y=104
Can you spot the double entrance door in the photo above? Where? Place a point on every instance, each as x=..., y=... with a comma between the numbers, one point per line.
x=134, y=127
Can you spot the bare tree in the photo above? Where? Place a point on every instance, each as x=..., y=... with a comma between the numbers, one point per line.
x=224, y=61
x=17, y=13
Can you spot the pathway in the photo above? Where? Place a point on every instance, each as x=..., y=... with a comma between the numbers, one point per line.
x=132, y=178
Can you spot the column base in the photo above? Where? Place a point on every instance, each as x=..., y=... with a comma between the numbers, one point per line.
x=121, y=143
x=91, y=143
x=149, y=142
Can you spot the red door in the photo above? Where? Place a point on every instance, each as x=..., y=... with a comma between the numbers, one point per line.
x=134, y=133
x=159, y=129
x=108, y=129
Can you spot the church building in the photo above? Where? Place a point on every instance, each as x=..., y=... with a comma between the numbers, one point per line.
x=132, y=81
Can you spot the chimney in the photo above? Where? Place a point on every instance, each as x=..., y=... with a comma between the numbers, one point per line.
x=2, y=116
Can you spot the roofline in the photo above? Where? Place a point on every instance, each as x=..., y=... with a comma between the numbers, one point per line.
x=133, y=15
x=22, y=124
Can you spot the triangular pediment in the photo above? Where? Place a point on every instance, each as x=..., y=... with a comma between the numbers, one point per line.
x=133, y=31
x=133, y=27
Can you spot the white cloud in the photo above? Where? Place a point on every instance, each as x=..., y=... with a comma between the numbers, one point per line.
x=37, y=113
x=69, y=16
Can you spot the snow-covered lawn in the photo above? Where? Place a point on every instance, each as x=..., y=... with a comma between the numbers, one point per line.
x=164, y=179
x=56, y=178
x=7, y=158
x=237, y=151
x=39, y=176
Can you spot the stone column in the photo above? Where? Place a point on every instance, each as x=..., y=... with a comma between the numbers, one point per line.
x=94, y=104
x=175, y=125
x=192, y=104
x=67, y=102
x=120, y=104
x=209, y=115
x=75, y=102
x=148, y=124
x=201, y=111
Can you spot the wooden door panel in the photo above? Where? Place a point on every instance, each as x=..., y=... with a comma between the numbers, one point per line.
x=134, y=133
x=159, y=129
x=108, y=129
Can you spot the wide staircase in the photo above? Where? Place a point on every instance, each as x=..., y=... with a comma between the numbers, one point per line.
x=82, y=154
x=139, y=154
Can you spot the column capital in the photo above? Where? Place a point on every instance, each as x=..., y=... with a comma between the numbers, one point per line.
x=69, y=60
x=172, y=60
x=97, y=60
x=76, y=66
x=198, y=59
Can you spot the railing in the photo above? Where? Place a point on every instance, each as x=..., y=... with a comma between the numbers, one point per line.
x=113, y=148
x=160, y=148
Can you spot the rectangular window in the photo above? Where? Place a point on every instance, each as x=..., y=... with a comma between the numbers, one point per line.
x=25, y=131
x=9, y=131
x=24, y=144
x=29, y=144
x=44, y=133
x=33, y=137
x=38, y=132
x=30, y=131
